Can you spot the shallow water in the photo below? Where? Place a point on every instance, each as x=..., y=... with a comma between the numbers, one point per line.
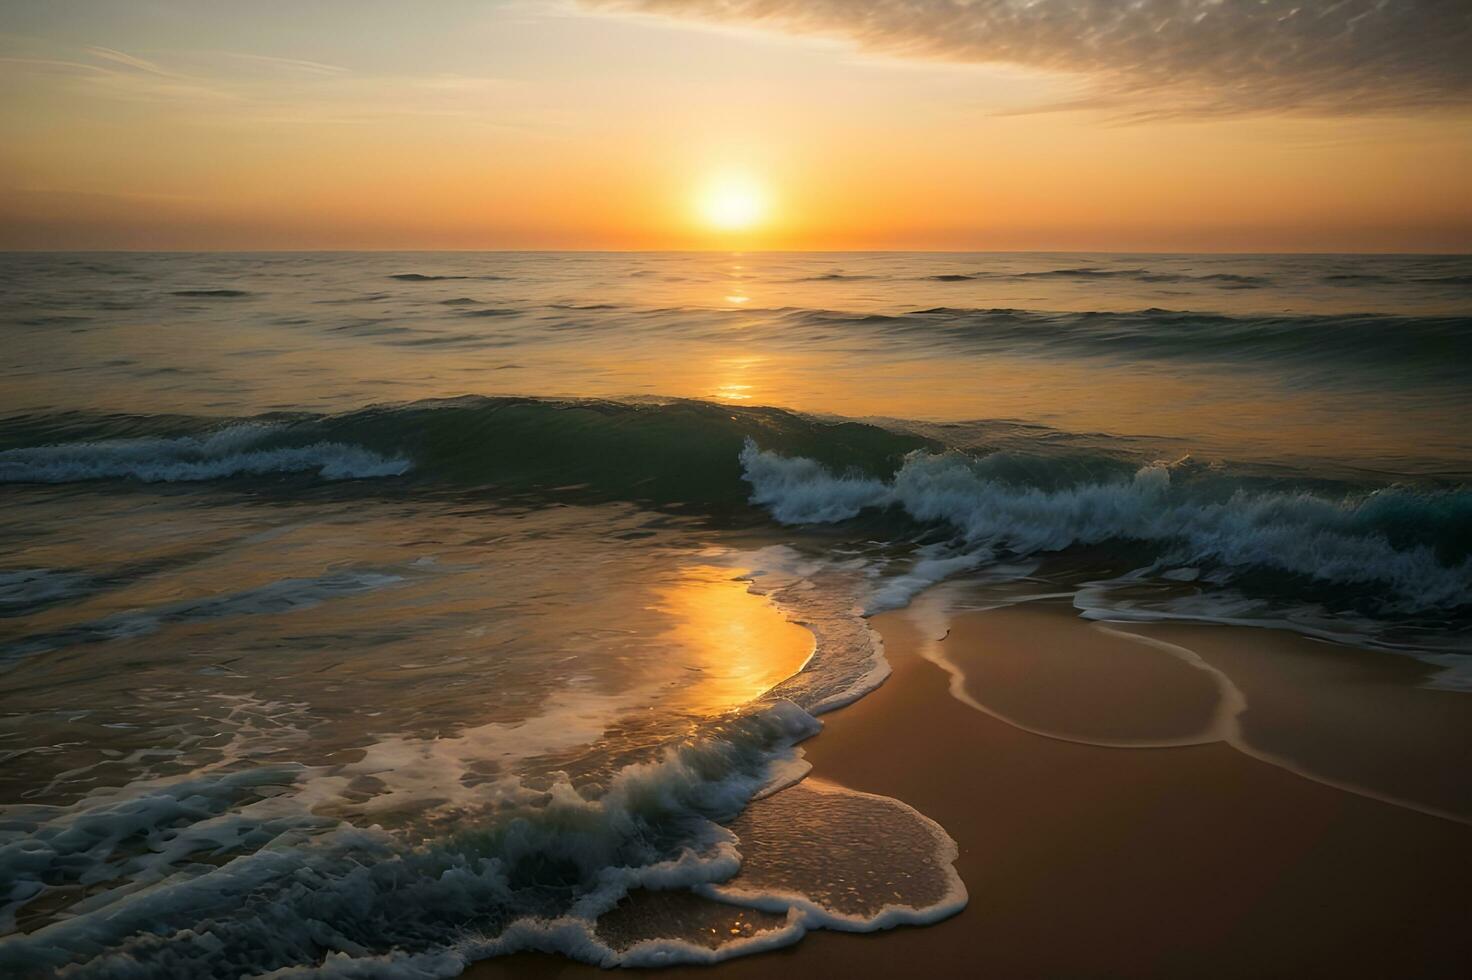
x=378, y=612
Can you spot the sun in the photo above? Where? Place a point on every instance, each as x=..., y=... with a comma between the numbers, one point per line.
x=732, y=202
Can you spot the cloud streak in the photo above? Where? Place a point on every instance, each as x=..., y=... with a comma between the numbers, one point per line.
x=231, y=87
x=1159, y=57
x=130, y=61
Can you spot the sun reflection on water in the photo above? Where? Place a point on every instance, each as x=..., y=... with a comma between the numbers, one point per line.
x=732, y=383
x=735, y=644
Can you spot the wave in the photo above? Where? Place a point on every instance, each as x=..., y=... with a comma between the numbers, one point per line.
x=1395, y=549
x=667, y=452
x=1403, y=279
x=492, y=311
x=422, y=277
x=211, y=293
x=1145, y=275
x=1223, y=279
x=236, y=450
x=1355, y=278
x=1402, y=551
x=1230, y=279
x=1084, y=273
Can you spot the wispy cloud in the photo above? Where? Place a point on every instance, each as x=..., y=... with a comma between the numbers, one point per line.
x=1159, y=56
x=51, y=65
x=232, y=87
x=296, y=65
x=130, y=61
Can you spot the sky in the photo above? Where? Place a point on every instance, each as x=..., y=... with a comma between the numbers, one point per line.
x=1067, y=125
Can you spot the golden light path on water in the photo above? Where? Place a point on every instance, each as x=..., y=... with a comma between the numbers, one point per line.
x=736, y=644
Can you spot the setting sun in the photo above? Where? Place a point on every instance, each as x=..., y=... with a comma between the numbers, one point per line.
x=732, y=203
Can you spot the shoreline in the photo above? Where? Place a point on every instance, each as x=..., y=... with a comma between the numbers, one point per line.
x=1082, y=860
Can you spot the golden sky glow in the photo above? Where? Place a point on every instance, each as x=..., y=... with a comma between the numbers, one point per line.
x=552, y=124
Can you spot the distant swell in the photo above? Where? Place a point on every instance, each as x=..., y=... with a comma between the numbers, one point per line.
x=1396, y=349
x=421, y=277
x=1223, y=279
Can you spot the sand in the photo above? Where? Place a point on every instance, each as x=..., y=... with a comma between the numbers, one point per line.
x=1196, y=860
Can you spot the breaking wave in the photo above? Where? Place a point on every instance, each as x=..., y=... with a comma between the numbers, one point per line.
x=1410, y=547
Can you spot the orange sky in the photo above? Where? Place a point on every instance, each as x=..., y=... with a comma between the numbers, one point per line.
x=535, y=124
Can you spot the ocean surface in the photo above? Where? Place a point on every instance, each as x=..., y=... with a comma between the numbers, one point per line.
x=370, y=614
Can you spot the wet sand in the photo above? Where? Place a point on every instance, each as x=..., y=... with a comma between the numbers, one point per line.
x=1089, y=861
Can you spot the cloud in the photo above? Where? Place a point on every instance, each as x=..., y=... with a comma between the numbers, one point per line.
x=231, y=87
x=130, y=61
x=1159, y=56
x=296, y=65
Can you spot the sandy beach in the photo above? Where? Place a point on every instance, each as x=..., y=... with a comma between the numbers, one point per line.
x=1089, y=861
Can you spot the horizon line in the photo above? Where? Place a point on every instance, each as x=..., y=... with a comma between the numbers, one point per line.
x=726, y=251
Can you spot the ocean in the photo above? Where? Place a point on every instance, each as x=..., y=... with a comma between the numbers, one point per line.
x=374, y=613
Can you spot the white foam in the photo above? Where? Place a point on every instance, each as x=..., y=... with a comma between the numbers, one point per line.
x=798, y=490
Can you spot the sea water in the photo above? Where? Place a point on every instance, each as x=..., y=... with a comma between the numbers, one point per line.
x=374, y=613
